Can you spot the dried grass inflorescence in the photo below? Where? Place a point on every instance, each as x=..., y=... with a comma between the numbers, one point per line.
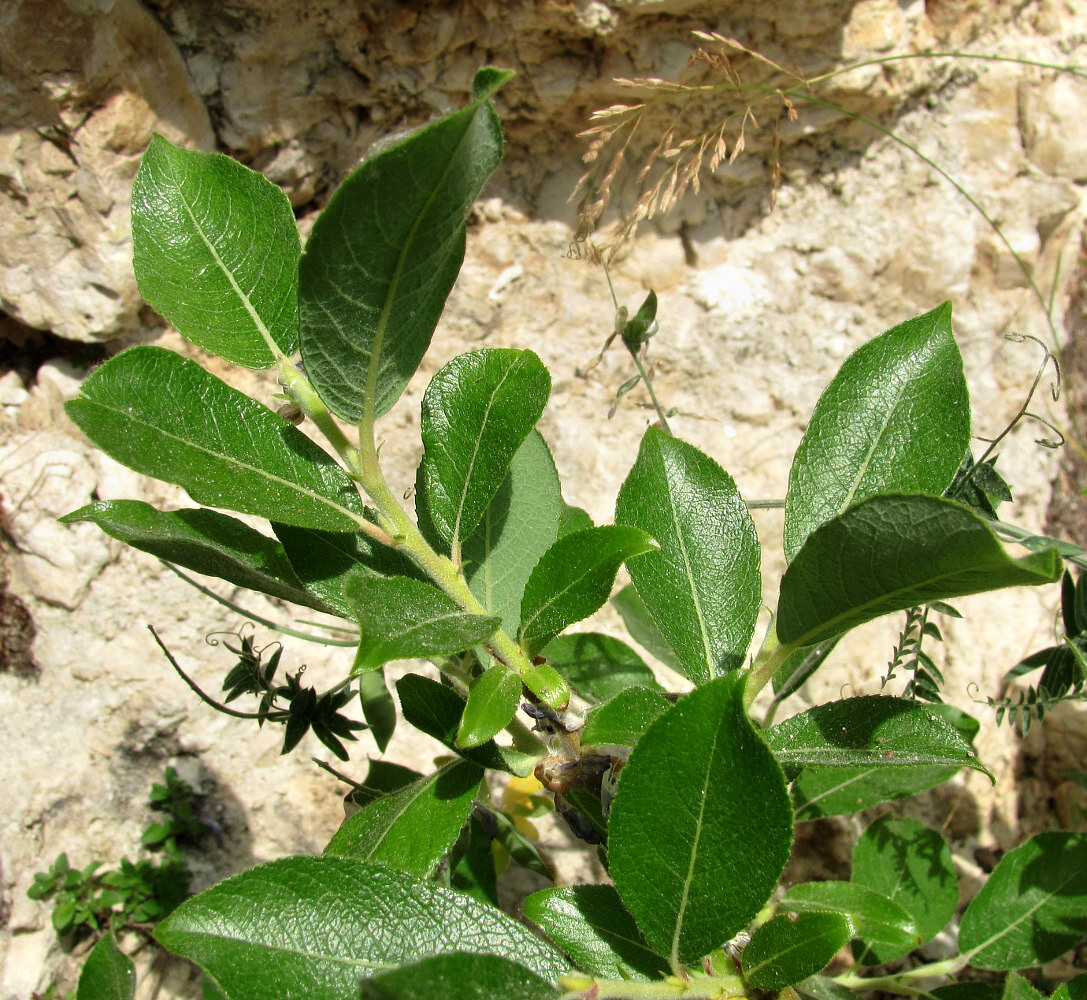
x=692, y=138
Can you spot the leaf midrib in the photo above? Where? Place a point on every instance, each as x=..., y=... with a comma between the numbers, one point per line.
x=230, y=460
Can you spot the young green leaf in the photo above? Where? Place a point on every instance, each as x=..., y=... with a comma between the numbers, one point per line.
x=875, y=918
x=164, y=416
x=870, y=731
x=476, y=413
x=701, y=826
x=215, y=249
x=326, y=560
x=590, y=924
x=642, y=628
x=204, y=541
x=574, y=578
x=384, y=254
x=911, y=865
x=783, y=951
x=458, y=976
x=598, y=666
x=519, y=526
x=108, y=973
x=378, y=708
x=702, y=588
x=412, y=829
x=402, y=618
x=317, y=927
x=862, y=438
x=1018, y=988
x=492, y=703
x=436, y=710
x=1033, y=908
x=891, y=553
x=622, y=720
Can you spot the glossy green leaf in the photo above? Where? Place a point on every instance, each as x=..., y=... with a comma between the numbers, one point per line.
x=799, y=666
x=412, y=829
x=590, y=924
x=215, y=249
x=518, y=527
x=911, y=865
x=702, y=588
x=891, y=553
x=317, y=927
x=378, y=708
x=384, y=254
x=622, y=720
x=875, y=918
x=459, y=976
x=209, y=989
x=1033, y=908
x=492, y=703
x=870, y=731
x=476, y=413
x=840, y=791
x=783, y=951
x=642, y=628
x=474, y=872
x=436, y=710
x=863, y=437
x=402, y=618
x=573, y=519
x=326, y=560
x=204, y=541
x=1018, y=988
x=574, y=578
x=107, y=974
x=598, y=666
x=382, y=778
x=166, y=417
x=701, y=826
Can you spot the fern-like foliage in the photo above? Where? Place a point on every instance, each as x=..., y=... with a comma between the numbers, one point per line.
x=909, y=657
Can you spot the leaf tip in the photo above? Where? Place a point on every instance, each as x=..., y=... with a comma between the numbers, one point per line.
x=488, y=81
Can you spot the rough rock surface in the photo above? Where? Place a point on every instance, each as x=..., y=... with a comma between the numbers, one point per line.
x=757, y=311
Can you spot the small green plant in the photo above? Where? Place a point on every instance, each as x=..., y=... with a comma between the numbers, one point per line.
x=137, y=894
x=689, y=801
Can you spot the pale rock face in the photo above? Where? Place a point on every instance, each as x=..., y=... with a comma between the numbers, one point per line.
x=757, y=311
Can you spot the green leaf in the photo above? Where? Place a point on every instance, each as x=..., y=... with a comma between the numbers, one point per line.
x=863, y=437
x=518, y=527
x=622, y=720
x=204, y=541
x=412, y=829
x=1074, y=989
x=108, y=973
x=326, y=560
x=598, y=666
x=799, y=666
x=590, y=924
x=873, y=731
x=378, y=708
x=382, y=778
x=474, y=872
x=209, y=990
x=825, y=988
x=492, y=703
x=458, y=976
x=643, y=630
x=476, y=413
x=839, y=791
x=520, y=847
x=702, y=588
x=573, y=519
x=1018, y=988
x=317, y=927
x=383, y=256
x=875, y=918
x=783, y=951
x=701, y=826
x=969, y=990
x=436, y=710
x=402, y=618
x=215, y=249
x=166, y=417
x=911, y=865
x=1033, y=908
x=574, y=578
x=891, y=553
